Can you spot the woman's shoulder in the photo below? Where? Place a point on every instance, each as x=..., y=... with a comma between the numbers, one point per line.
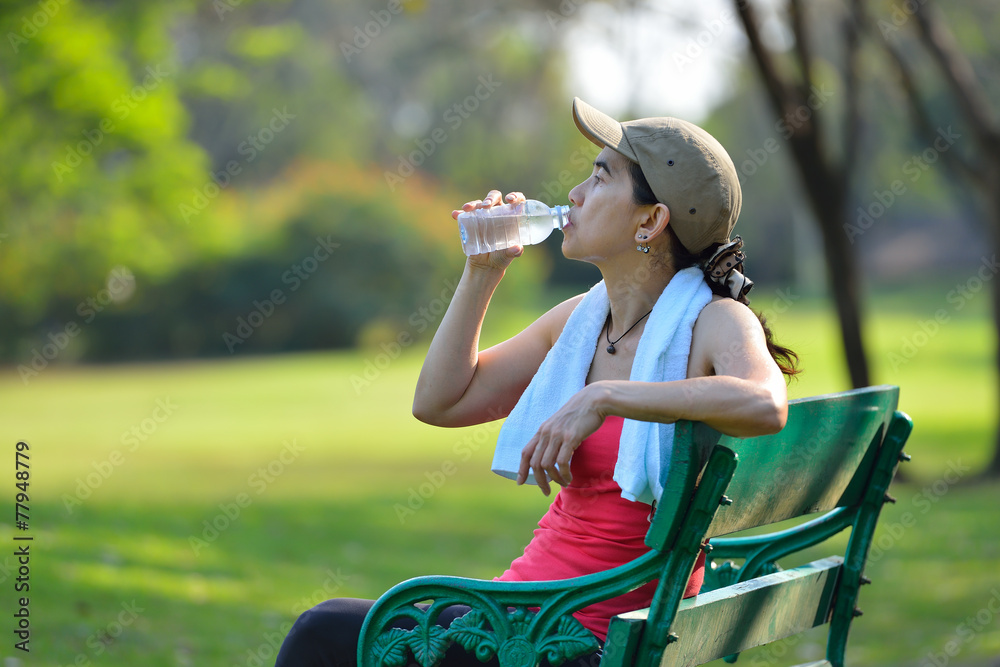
x=724, y=327
x=723, y=311
x=554, y=320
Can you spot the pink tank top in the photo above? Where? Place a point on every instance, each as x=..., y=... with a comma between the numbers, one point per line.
x=589, y=528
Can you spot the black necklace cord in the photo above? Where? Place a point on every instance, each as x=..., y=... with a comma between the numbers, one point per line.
x=607, y=332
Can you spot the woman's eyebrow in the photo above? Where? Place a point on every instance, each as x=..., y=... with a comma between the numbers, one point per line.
x=601, y=164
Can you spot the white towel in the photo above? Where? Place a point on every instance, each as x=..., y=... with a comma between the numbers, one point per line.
x=662, y=355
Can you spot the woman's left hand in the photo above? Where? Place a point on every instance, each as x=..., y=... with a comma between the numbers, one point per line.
x=548, y=453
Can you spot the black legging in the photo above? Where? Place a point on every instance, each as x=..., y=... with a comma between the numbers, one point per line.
x=327, y=636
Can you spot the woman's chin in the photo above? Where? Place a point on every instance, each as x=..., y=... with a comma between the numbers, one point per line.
x=568, y=253
x=567, y=248
x=572, y=249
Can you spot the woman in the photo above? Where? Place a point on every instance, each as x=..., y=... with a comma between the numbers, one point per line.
x=663, y=197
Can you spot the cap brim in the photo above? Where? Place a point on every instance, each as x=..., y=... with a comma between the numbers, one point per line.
x=601, y=128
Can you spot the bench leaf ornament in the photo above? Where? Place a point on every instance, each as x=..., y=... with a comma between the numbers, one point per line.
x=472, y=632
x=429, y=645
x=391, y=648
x=570, y=641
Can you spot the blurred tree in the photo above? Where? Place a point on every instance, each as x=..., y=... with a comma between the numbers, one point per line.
x=978, y=162
x=334, y=262
x=144, y=125
x=824, y=166
x=94, y=156
x=334, y=258
x=416, y=87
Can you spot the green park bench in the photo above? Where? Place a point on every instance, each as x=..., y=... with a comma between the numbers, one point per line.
x=836, y=456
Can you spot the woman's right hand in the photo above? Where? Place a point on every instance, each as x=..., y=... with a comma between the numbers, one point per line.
x=498, y=259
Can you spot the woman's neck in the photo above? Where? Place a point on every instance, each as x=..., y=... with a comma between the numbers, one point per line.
x=633, y=291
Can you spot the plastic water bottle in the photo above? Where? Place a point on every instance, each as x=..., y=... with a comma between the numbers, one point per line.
x=499, y=227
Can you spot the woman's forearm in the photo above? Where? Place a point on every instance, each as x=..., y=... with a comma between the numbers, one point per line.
x=454, y=351
x=731, y=405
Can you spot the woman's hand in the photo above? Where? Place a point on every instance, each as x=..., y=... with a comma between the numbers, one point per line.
x=498, y=259
x=549, y=452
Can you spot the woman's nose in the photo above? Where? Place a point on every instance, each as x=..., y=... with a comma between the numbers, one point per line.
x=576, y=195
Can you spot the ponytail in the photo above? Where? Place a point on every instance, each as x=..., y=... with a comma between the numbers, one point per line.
x=721, y=263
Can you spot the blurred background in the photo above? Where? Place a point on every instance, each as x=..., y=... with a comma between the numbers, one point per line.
x=225, y=243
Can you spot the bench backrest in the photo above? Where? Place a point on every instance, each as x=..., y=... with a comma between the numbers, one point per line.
x=819, y=461
x=834, y=452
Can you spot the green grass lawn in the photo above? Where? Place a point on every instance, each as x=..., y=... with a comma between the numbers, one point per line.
x=269, y=484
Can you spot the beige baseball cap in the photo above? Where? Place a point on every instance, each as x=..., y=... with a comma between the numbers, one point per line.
x=687, y=169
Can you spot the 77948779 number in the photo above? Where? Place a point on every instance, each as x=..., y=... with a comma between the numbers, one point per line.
x=23, y=477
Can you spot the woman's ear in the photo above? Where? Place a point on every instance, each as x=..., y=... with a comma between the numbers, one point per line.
x=654, y=222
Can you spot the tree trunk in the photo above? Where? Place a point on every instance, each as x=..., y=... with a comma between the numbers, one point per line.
x=827, y=194
x=825, y=180
x=992, y=470
x=842, y=273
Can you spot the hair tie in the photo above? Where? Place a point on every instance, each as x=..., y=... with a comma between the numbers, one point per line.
x=723, y=268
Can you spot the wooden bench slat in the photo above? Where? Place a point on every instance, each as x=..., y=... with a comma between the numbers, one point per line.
x=763, y=610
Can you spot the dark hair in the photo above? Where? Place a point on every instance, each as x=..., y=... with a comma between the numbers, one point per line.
x=682, y=258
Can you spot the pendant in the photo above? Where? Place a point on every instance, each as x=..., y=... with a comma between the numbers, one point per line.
x=611, y=349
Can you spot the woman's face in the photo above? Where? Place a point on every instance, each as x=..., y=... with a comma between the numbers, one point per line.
x=602, y=220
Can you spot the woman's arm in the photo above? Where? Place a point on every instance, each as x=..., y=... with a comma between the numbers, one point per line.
x=733, y=384
x=458, y=385
x=744, y=395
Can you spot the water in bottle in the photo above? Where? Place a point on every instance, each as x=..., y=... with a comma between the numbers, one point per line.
x=499, y=227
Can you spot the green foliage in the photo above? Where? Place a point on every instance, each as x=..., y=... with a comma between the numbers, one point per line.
x=94, y=153
x=265, y=43
x=121, y=119
x=328, y=255
x=151, y=131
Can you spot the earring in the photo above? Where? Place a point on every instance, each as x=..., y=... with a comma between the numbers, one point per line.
x=644, y=247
